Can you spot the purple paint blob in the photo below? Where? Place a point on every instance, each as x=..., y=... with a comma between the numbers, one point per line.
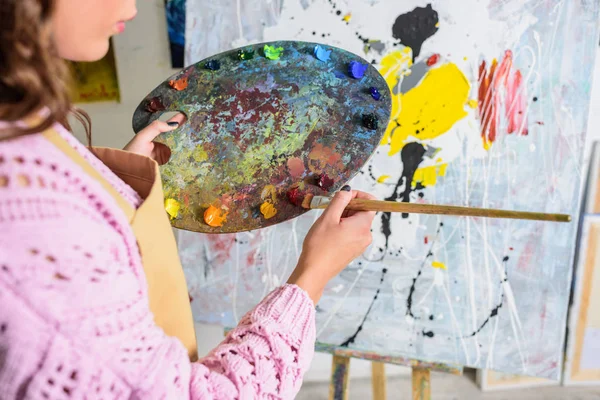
x=357, y=70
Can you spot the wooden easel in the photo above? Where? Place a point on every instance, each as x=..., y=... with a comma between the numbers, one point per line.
x=340, y=370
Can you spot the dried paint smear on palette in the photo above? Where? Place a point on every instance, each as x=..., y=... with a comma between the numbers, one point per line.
x=489, y=108
x=264, y=121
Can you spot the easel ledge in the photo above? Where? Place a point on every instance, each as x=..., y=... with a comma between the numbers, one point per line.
x=340, y=369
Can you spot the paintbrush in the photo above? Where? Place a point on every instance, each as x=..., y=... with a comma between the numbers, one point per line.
x=311, y=201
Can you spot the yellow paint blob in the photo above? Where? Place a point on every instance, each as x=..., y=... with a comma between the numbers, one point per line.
x=429, y=109
x=347, y=17
x=437, y=25
x=172, y=207
x=214, y=216
x=437, y=264
x=472, y=103
x=383, y=178
x=268, y=210
x=427, y=176
x=269, y=192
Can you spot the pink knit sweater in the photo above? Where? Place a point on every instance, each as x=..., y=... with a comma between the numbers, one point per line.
x=74, y=316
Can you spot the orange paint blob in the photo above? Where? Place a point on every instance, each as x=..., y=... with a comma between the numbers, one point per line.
x=214, y=216
x=179, y=84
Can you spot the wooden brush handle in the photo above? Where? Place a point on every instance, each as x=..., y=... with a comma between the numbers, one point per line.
x=392, y=206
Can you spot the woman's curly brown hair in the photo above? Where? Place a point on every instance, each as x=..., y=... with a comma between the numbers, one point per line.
x=32, y=74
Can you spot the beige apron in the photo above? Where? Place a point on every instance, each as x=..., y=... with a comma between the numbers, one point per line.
x=167, y=289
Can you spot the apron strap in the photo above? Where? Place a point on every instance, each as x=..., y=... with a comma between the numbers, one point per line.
x=54, y=137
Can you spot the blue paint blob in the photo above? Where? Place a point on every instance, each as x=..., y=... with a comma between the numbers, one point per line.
x=339, y=74
x=321, y=53
x=375, y=93
x=357, y=70
x=213, y=65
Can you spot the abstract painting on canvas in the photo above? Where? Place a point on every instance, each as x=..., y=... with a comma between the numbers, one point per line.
x=490, y=102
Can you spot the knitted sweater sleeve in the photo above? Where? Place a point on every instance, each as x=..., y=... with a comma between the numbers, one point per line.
x=74, y=315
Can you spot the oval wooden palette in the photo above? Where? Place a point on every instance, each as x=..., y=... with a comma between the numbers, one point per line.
x=258, y=126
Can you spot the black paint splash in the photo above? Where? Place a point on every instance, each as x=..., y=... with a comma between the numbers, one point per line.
x=428, y=333
x=411, y=292
x=411, y=156
x=352, y=338
x=494, y=311
x=416, y=26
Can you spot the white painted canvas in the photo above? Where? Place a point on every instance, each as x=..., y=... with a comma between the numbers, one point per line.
x=484, y=293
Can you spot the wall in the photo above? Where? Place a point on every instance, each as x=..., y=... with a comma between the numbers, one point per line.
x=143, y=62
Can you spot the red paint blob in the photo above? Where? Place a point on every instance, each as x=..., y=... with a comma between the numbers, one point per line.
x=295, y=196
x=426, y=240
x=433, y=60
x=154, y=105
x=325, y=182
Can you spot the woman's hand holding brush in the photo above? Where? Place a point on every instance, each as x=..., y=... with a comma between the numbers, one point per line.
x=335, y=239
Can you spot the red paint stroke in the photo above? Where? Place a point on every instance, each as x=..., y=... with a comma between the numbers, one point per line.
x=433, y=60
x=501, y=83
x=426, y=239
x=221, y=246
x=524, y=263
x=179, y=84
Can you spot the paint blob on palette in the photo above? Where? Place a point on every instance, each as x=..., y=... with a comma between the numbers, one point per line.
x=262, y=120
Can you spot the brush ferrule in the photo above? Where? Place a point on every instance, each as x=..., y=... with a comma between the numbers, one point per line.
x=320, y=202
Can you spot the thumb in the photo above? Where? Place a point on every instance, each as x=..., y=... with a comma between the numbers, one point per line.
x=338, y=204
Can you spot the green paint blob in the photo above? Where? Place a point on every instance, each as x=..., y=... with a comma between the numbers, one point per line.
x=273, y=53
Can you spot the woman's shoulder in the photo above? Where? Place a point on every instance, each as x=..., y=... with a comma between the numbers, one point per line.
x=36, y=162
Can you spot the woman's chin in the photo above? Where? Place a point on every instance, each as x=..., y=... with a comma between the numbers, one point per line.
x=87, y=53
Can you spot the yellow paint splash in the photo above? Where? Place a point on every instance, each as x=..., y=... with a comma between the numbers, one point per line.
x=347, y=17
x=427, y=176
x=472, y=103
x=268, y=210
x=383, y=178
x=200, y=154
x=427, y=110
x=440, y=265
x=393, y=66
x=172, y=207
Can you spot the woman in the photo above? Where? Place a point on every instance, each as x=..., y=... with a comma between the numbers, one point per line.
x=92, y=296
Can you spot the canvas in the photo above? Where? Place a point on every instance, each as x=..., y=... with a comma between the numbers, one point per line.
x=489, y=109
x=175, y=11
